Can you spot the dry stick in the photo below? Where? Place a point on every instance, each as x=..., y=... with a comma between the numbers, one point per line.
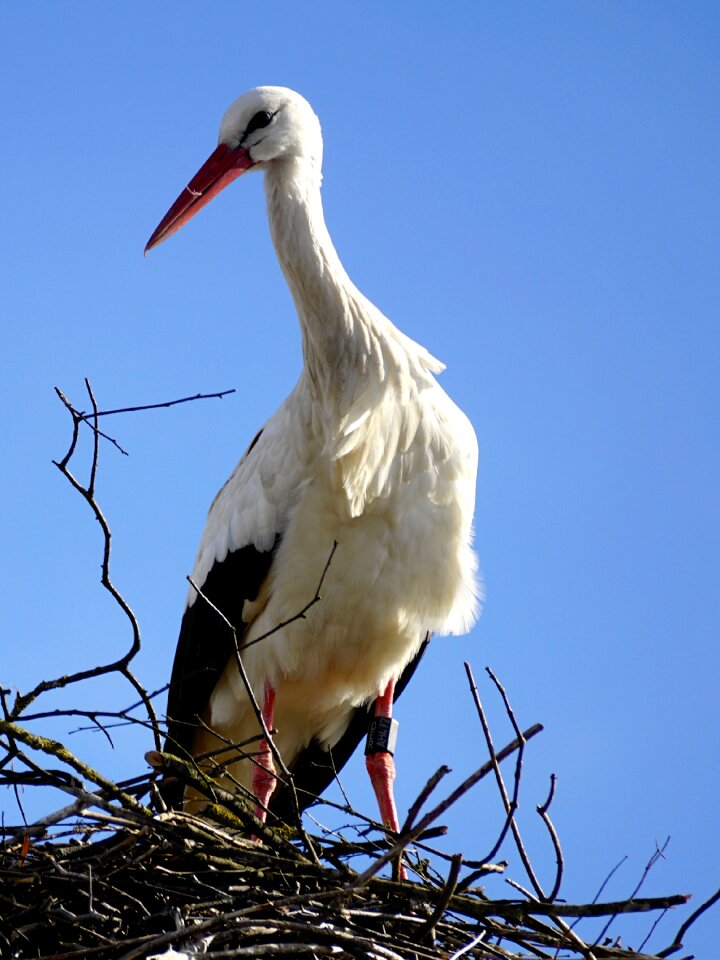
x=22, y=701
x=428, y=928
x=39, y=827
x=677, y=942
x=344, y=937
x=79, y=418
x=479, y=909
x=656, y=855
x=238, y=658
x=262, y=950
x=510, y=806
x=107, y=583
x=301, y=614
x=433, y=781
x=248, y=687
x=513, y=825
x=468, y=947
x=122, y=717
x=511, y=810
x=83, y=417
x=156, y=406
x=120, y=665
x=604, y=884
x=96, y=442
x=56, y=749
x=536, y=933
x=542, y=809
x=651, y=931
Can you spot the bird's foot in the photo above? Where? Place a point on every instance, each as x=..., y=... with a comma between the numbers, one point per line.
x=381, y=767
x=264, y=776
x=264, y=783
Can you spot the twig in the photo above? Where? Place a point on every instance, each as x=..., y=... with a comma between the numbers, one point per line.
x=55, y=749
x=657, y=854
x=510, y=805
x=684, y=927
x=542, y=809
x=422, y=797
x=468, y=946
x=426, y=931
x=245, y=679
x=301, y=614
x=157, y=406
x=121, y=665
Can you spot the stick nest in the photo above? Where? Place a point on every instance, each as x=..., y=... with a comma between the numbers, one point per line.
x=132, y=882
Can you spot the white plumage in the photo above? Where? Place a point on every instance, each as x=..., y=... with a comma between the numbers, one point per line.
x=367, y=452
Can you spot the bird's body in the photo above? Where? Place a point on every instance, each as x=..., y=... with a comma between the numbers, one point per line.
x=367, y=453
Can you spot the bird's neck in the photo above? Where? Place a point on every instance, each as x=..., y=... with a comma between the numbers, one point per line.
x=362, y=376
x=344, y=336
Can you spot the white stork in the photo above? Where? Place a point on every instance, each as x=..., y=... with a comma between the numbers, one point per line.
x=367, y=452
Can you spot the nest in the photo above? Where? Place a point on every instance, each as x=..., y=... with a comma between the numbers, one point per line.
x=134, y=880
x=117, y=875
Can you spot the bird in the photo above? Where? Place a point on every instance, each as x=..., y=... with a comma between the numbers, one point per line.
x=342, y=541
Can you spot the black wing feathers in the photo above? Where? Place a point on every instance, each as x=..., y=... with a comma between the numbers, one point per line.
x=206, y=644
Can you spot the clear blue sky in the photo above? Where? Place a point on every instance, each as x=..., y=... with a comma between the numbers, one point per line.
x=530, y=190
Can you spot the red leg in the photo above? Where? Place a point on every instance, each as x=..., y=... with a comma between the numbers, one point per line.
x=264, y=780
x=381, y=767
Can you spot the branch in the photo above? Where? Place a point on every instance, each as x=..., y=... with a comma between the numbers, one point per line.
x=156, y=406
x=677, y=942
x=60, y=752
x=121, y=665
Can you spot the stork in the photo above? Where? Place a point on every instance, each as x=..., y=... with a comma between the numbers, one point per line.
x=368, y=453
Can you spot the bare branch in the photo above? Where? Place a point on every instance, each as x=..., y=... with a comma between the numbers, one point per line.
x=542, y=809
x=121, y=665
x=156, y=406
x=300, y=615
x=679, y=936
x=657, y=854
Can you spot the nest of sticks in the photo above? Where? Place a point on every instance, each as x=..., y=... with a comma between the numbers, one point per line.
x=115, y=874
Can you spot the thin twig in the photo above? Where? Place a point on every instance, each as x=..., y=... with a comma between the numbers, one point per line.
x=542, y=809
x=657, y=854
x=300, y=615
x=684, y=927
x=426, y=931
x=510, y=805
x=121, y=665
x=245, y=679
x=156, y=406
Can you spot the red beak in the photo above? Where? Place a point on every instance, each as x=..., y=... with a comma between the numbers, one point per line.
x=221, y=168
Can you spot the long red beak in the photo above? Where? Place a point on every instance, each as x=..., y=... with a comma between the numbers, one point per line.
x=221, y=168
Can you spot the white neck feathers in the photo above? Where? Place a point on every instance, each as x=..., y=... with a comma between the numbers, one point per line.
x=363, y=375
x=342, y=331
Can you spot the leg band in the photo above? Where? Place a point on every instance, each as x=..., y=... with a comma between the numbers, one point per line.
x=382, y=735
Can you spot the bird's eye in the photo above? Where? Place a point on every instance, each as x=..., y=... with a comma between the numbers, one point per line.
x=261, y=119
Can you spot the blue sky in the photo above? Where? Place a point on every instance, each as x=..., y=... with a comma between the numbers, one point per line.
x=530, y=190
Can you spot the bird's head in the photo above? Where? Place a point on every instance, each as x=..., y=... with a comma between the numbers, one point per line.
x=263, y=126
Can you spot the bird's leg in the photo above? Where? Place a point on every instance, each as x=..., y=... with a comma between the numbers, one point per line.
x=264, y=779
x=380, y=763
